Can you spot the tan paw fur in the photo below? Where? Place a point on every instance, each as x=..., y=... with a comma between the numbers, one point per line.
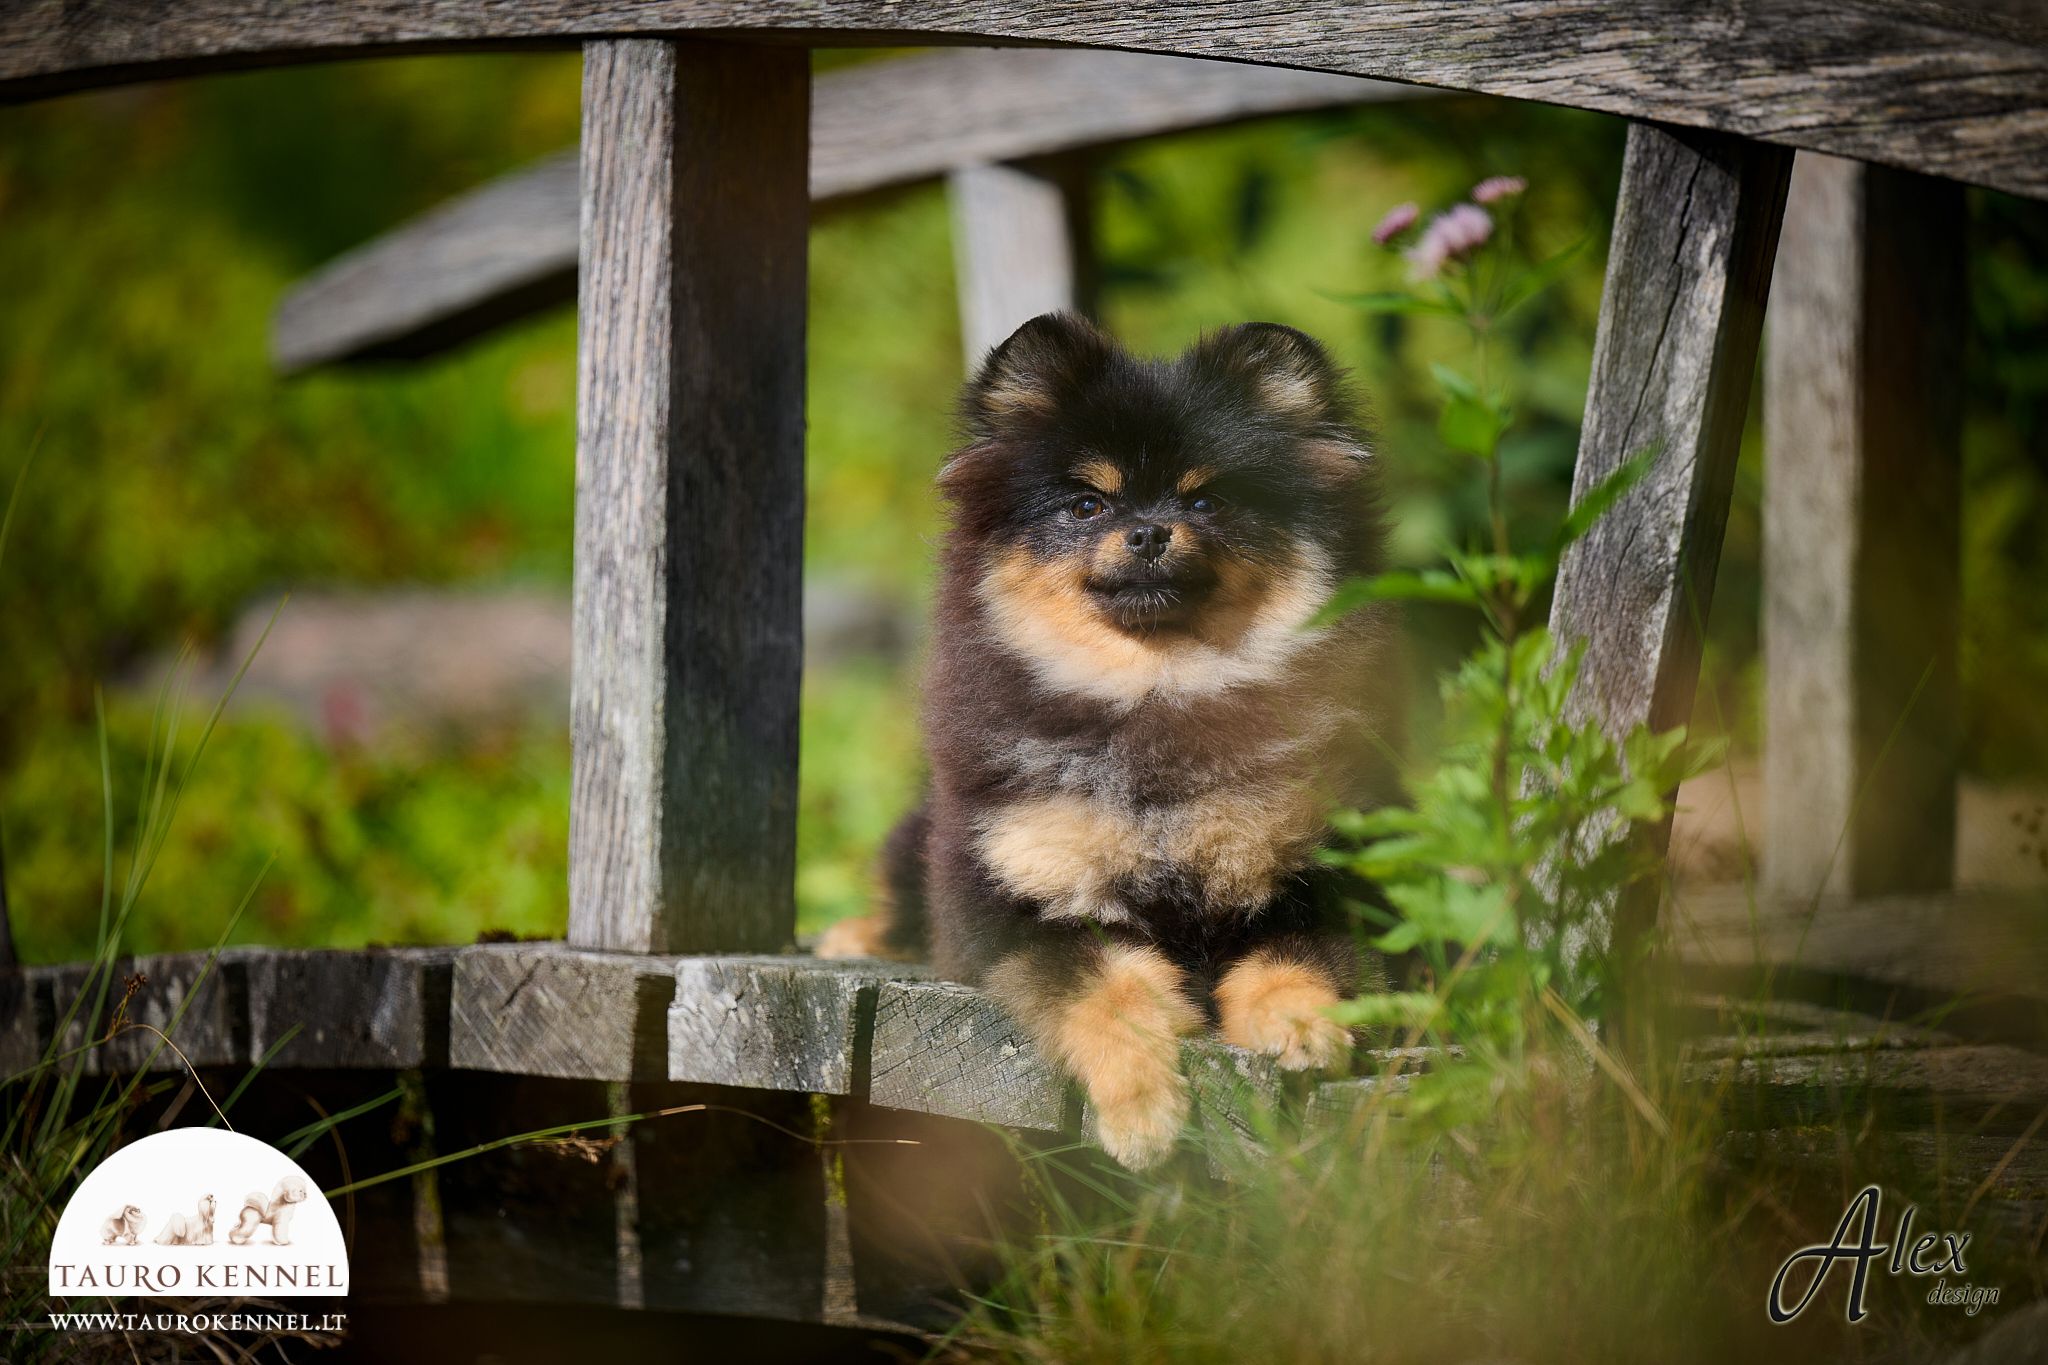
x=861, y=936
x=1276, y=1007
x=1120, y=1036
x=1140, y=1125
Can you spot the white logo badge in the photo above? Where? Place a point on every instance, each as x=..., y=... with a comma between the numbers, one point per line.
x=198, y=1211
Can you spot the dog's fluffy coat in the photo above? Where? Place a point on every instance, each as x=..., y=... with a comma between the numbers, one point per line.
x=1133, y=731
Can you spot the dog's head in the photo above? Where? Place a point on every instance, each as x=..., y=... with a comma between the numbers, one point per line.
x=290, y=1190
x=1109, y=502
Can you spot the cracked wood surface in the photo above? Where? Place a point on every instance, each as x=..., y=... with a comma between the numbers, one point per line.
x=508, y=250
x=945, y=1049
x=545, y=1009
x=688, y=609
x=369, y=1008
x=1688, y=271
x=1939, y=88
x=776, y=1023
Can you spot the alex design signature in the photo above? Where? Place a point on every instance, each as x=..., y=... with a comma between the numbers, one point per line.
x=1855, y=1241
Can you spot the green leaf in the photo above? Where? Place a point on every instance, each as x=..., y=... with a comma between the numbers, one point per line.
x=1454, y=383
x=1395, y=301
x=1472, y=427
x=1404, y=1009
x=1539, y=277
x=1603, y=495
x=1431, y=585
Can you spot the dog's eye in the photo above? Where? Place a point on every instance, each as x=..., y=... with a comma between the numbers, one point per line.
x=1208, y=502
x=1088, y=506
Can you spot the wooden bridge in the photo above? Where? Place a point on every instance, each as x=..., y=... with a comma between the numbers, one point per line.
x=704, y=147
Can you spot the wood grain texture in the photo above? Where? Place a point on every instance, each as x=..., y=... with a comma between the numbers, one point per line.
x=1862, y=518
x=211, y=1030
x=547, y=1009
x=1941, y=88
x=1687, y=275
x=775, y=1023
x=508, y=250
x=21, y=1037
x=1983, y=1088
x=949, y=1050
x=1021, y=247
x=1688, y=271
x=382, y=1008
x=689, y=498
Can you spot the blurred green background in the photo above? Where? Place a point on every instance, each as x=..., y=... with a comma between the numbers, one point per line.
x=174, y=483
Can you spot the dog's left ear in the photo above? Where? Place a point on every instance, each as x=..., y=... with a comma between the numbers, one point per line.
x=1288, y=372
x=1028, y=374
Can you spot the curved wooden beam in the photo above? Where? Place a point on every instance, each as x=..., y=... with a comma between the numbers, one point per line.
x=1926, y=86
x=508, y=250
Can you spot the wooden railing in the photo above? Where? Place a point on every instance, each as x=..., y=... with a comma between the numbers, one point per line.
x=1010, y=132
x=697, y=171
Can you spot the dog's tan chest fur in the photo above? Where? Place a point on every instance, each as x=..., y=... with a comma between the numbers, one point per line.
x=1230, y=803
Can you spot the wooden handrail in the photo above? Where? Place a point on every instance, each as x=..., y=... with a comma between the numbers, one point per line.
x=1911, y=83
x=508, y=250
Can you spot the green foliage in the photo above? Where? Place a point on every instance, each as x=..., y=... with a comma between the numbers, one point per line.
x=1501, y=873
x=412, y=841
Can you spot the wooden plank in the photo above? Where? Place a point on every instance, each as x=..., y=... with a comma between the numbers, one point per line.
x=1020, y=248
x=1687, y=274
x=546, y=1009
x=508, y=250
x=1982, y=1088
x=929, y=1203
x=730, y=1203
x=1944, y=89
x=946, y=1049
x=531, y=1222
x=475, y=264
x=1862, y=523
x=689, y=498
x=380, y=1008
x=776, y=1023
x=21, y=1039
x=212, y=1031
x=1979, y=956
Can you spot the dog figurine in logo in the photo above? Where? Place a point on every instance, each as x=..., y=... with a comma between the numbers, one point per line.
x=277, y=1211
x=123, y=1227
x=190, y=1229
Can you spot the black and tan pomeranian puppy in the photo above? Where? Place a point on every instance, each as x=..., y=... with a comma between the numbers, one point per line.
x=1134, y=733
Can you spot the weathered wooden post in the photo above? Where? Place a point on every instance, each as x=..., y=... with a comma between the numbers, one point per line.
x=1688, y=271
x=1021, y=246
x=689, y=496
x=1862, y=517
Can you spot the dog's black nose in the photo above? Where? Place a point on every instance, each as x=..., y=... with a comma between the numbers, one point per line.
x=1148, y=542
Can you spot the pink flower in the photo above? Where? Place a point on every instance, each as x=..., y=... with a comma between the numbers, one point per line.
x=1450, y=236
x=1498, y=187
x=1399, y=219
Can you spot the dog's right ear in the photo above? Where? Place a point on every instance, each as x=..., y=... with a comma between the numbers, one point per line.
x=1028, y=374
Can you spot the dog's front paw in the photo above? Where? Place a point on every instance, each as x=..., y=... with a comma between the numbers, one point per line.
x=1277, y=1008
x=1138, y=1127
x=1299, y=1042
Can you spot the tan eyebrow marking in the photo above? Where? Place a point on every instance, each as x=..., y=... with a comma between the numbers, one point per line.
x=1195, y=478
x=1103, y=475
